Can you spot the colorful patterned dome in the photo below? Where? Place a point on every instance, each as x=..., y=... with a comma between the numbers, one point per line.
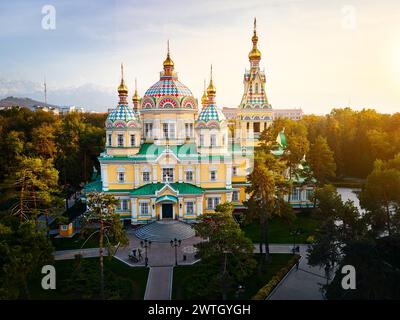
x=122, y=116
x=168, y=86
x=210, y=116
x=168, y=92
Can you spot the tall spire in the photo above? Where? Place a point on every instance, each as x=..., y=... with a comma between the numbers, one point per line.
x=135, y=98
x=211, y=91
x=45, y=90
x=255, y=54
x=122, y=89
x=168, y=63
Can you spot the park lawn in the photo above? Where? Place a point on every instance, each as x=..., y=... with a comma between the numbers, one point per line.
x=76, y=242
x=123, y=281
x=279, y=229
x=183, y=277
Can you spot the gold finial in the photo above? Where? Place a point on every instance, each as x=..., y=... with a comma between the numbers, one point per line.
x=136, y=98
x=122, y=89
x=255, y=54
x=168, y=63
x=211, y=91
x=204, y=98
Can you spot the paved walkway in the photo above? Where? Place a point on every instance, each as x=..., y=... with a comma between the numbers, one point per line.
x=159, y=284
x=302, y=284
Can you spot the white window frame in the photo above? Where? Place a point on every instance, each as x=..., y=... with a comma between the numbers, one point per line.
x=148, y=130
x=213, y=173
x=144, y=209
x=109, y=139
x=147, y=173
x=234, y=171
x=190, y=207
x=213, y=140
x=189, y=173
x=171, y=179
x=119, y=176
x=235, y=196
x=120, y=143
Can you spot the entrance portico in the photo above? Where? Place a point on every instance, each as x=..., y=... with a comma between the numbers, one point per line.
x=166, y=204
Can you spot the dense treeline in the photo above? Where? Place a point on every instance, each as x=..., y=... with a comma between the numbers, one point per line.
x=357, y=138
x=70, y=144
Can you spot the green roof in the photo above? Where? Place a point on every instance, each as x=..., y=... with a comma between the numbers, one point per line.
x=96, y=185
x=182, y=188
x=150, y=149
x=168, y=198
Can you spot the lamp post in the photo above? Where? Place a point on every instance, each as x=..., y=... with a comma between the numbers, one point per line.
x=145, y=244
x=295, y=233
x=175, y=244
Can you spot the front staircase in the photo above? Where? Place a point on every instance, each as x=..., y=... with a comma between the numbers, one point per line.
x=165, y=231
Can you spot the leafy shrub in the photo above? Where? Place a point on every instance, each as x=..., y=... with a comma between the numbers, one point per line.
x=263, y=293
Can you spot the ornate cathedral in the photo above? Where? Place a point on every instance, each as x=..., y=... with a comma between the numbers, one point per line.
x=166, y=157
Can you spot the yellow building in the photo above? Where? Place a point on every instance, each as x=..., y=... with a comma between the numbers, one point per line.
x=167, y=158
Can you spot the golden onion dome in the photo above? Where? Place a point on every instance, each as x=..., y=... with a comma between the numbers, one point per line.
x=122, y=89
x=211, y=91
x=168, y=61
x=254, y=54
x=204, y=98
x=135, y=98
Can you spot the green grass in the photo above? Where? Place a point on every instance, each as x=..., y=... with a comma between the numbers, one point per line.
x=121, y=281
x=76, y=242
x=279, y=229
x=184, y=277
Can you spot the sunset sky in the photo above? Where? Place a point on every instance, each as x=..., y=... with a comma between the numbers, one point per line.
x=317, y=54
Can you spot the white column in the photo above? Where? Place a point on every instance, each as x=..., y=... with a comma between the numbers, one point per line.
x=180, y=173
x=197, y=175
x=229, y=197
x=153, y=208
x=228, y=176
x=180, y=206
x=136, y=175
x=199, y=206
x=134, y=209
x=104, y=176
x=154, y=173
x=251, y=130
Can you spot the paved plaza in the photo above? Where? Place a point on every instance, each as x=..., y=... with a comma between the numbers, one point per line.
x=301, y=284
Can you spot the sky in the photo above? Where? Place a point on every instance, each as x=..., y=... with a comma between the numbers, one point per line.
x=317, y=54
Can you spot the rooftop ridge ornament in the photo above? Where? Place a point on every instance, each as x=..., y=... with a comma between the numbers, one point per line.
x=168, y=63
x=211, y=91
x=122, y=89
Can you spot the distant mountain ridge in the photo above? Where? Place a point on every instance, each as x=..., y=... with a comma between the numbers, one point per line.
x=24, y=102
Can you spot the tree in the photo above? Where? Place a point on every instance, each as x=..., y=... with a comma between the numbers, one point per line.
x=35, y=184
x=268, y=186
x=321, y=160
x=101, y=212
x=226, y=246
x=43, y=140
x=24, y=250
x=340, y=224
x=381, y=197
